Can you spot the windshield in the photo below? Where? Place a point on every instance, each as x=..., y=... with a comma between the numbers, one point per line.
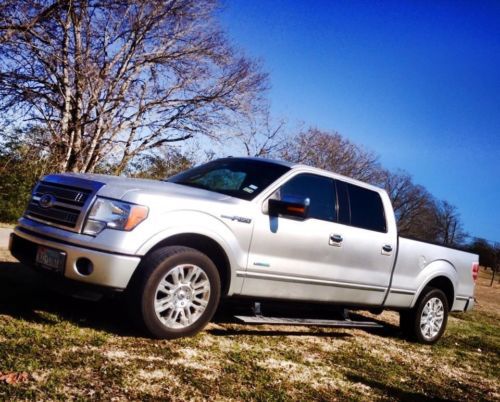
x=241, y=178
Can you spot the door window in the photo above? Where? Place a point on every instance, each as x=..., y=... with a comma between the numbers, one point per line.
x=366, y=208
x=320, y=191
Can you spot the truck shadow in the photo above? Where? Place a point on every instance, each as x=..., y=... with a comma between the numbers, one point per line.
x=23, y=295
x=393, y=391
x=318, y=332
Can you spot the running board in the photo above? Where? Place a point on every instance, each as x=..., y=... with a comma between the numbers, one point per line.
x=260, y=320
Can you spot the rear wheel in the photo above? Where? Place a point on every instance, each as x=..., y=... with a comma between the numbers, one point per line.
x=426, y=322
x=177, y=292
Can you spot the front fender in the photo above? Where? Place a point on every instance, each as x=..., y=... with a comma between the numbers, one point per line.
x=233, y=237
x=433, y=270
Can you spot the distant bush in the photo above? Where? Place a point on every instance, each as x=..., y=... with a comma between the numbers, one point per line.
x=20, y=168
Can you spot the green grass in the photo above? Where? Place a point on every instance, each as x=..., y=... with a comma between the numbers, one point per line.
x=80, y=350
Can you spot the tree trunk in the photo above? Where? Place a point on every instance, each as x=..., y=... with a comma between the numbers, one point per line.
x=122, y=165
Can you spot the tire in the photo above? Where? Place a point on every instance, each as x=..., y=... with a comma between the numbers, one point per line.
x=426, y=322
x=176, y=292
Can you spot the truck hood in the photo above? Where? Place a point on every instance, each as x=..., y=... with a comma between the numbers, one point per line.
x=124, y=188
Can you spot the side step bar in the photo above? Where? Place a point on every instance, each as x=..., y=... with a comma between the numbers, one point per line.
x=261, y=320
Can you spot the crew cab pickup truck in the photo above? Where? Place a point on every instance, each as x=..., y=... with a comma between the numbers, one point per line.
x=239, y=227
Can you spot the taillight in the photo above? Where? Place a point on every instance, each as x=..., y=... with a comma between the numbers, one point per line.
x=475, y=270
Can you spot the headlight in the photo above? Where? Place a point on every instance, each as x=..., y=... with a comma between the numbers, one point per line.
x=114, y=214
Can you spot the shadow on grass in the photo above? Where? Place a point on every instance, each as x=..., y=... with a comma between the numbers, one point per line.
x=225, y=315
x=392, y=391
x=388, y=330
x=24, y=295
x=267, y=332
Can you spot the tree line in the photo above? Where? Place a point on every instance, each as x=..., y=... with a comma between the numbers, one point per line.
x=111, y=87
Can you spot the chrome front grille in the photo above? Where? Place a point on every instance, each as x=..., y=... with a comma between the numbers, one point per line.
x=56, y=214
x=59, y=204
x=67, y=194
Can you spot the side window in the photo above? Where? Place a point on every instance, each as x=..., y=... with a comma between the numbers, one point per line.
x=367, y=210
x=320, y=191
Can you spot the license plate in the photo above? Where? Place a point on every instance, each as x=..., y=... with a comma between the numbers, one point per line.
x=51, y=259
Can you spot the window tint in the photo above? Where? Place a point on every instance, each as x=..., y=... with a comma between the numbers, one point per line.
x=320, y=191
x=367, y=210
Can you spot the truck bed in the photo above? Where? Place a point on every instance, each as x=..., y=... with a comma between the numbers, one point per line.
x=419, y=262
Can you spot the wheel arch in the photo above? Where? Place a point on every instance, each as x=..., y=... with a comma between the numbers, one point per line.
x=440, y=275
x=444, y=284
x=206, y=245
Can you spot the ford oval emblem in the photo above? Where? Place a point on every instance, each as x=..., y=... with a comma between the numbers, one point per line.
x=47, y=200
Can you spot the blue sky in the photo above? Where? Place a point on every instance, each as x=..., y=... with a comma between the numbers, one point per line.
x=417, y=82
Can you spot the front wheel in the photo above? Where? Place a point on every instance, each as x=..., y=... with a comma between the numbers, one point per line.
x=427, y=321
x=177, y=293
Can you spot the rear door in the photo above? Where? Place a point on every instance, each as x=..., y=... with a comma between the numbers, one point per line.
x=369, y=238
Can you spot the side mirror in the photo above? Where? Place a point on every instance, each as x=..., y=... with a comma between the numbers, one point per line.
x=291, y=207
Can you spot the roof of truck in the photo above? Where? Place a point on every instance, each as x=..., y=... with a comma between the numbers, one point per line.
x=261, y=159
x=313, y=169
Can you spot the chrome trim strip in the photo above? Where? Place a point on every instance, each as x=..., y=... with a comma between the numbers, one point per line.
x=56, y=225
x=76, y=208
x=402, y=292
x=307, y=281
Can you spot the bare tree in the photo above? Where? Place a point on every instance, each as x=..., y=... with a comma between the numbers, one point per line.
x=120, y=76
x=333, y=152
x=160, y=164
x=260, y=135
x=413, y=205
x=449, y=227
x=415, y=208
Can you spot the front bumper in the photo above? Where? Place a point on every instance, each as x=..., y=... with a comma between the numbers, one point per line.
x=109, y=269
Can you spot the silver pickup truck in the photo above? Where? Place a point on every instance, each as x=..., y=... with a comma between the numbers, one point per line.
x=239, y=227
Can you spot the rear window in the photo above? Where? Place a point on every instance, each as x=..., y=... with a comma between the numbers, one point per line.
x=367, y=210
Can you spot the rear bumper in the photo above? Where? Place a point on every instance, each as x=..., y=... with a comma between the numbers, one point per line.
x=109, y=270
x=463, y=303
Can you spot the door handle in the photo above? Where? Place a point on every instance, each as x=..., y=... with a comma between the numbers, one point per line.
x=336, y=238
x=387, y=248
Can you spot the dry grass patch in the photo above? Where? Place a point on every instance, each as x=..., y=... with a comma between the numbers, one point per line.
x=78, y=350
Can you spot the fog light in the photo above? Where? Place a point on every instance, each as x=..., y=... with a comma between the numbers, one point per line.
x=84, y=266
